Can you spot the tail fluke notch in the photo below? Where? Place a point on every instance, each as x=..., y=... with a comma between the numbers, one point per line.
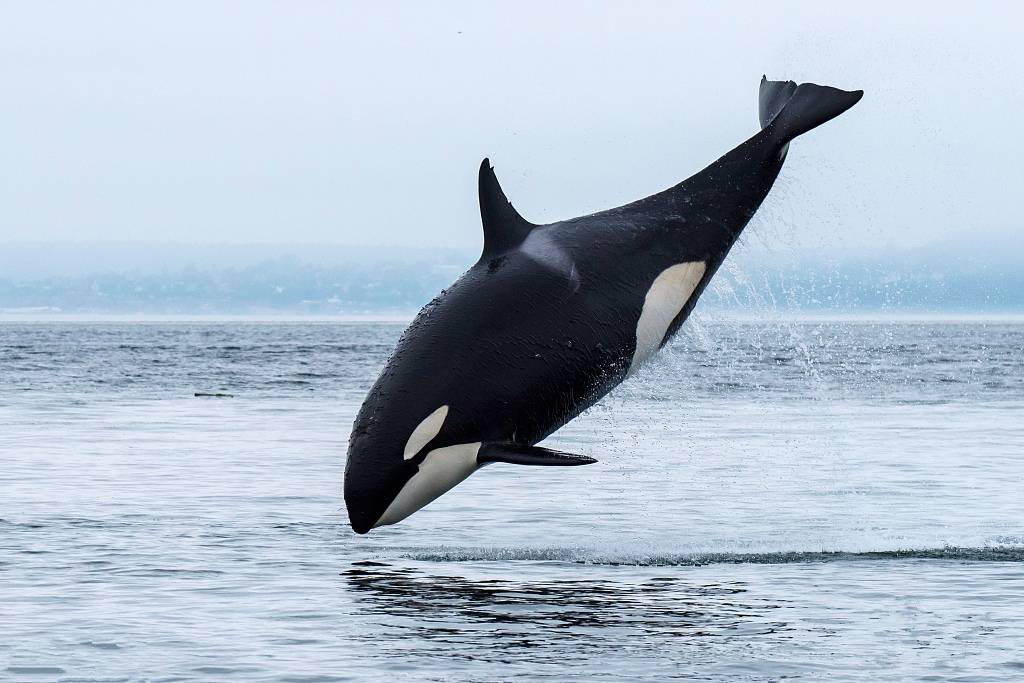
x=788, y=110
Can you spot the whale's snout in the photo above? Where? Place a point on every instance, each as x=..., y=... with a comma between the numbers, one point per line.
x=361, y=523
x=391, y=473
x=371, y=482
x=367, y=499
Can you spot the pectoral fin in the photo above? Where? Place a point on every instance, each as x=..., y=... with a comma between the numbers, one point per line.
x=518, y=454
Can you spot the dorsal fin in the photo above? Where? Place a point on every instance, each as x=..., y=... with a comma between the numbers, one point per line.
x=504, y=228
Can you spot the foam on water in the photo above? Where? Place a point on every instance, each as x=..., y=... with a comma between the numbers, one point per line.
x=1002, y=552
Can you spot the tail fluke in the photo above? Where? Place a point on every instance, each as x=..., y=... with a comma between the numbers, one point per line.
x=790, y=110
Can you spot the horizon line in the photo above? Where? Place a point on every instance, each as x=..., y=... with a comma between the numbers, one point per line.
x=405, y=318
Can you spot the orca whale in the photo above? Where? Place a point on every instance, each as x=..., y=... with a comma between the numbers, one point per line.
x=552, y=317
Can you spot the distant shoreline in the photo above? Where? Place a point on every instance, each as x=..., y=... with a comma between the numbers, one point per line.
x=711, y=317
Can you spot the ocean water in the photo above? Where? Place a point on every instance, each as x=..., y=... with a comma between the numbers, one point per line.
x=799, y=500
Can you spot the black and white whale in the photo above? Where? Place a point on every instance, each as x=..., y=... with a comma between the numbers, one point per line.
x=552, y=317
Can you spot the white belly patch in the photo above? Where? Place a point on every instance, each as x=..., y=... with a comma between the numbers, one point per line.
x=668, y=294
x=441, y=470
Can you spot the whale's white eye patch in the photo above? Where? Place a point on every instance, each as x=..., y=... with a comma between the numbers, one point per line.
x=665, y=299
x=425, y=431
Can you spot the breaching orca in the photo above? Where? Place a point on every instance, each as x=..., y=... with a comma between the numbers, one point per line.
x=552, y=317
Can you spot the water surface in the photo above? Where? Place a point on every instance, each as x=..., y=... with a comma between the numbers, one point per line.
x=773, y=500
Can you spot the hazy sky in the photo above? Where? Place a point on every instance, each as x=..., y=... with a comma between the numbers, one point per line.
x=364, y=123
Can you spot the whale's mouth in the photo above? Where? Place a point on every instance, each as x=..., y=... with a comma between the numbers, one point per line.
x=442, y=470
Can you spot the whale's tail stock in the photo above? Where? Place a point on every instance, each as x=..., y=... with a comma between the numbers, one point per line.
x=788, y=110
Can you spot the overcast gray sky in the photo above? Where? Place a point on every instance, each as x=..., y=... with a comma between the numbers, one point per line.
x=364, y=123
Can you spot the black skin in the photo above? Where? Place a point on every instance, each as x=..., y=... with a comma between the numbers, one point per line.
x=537, y=331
